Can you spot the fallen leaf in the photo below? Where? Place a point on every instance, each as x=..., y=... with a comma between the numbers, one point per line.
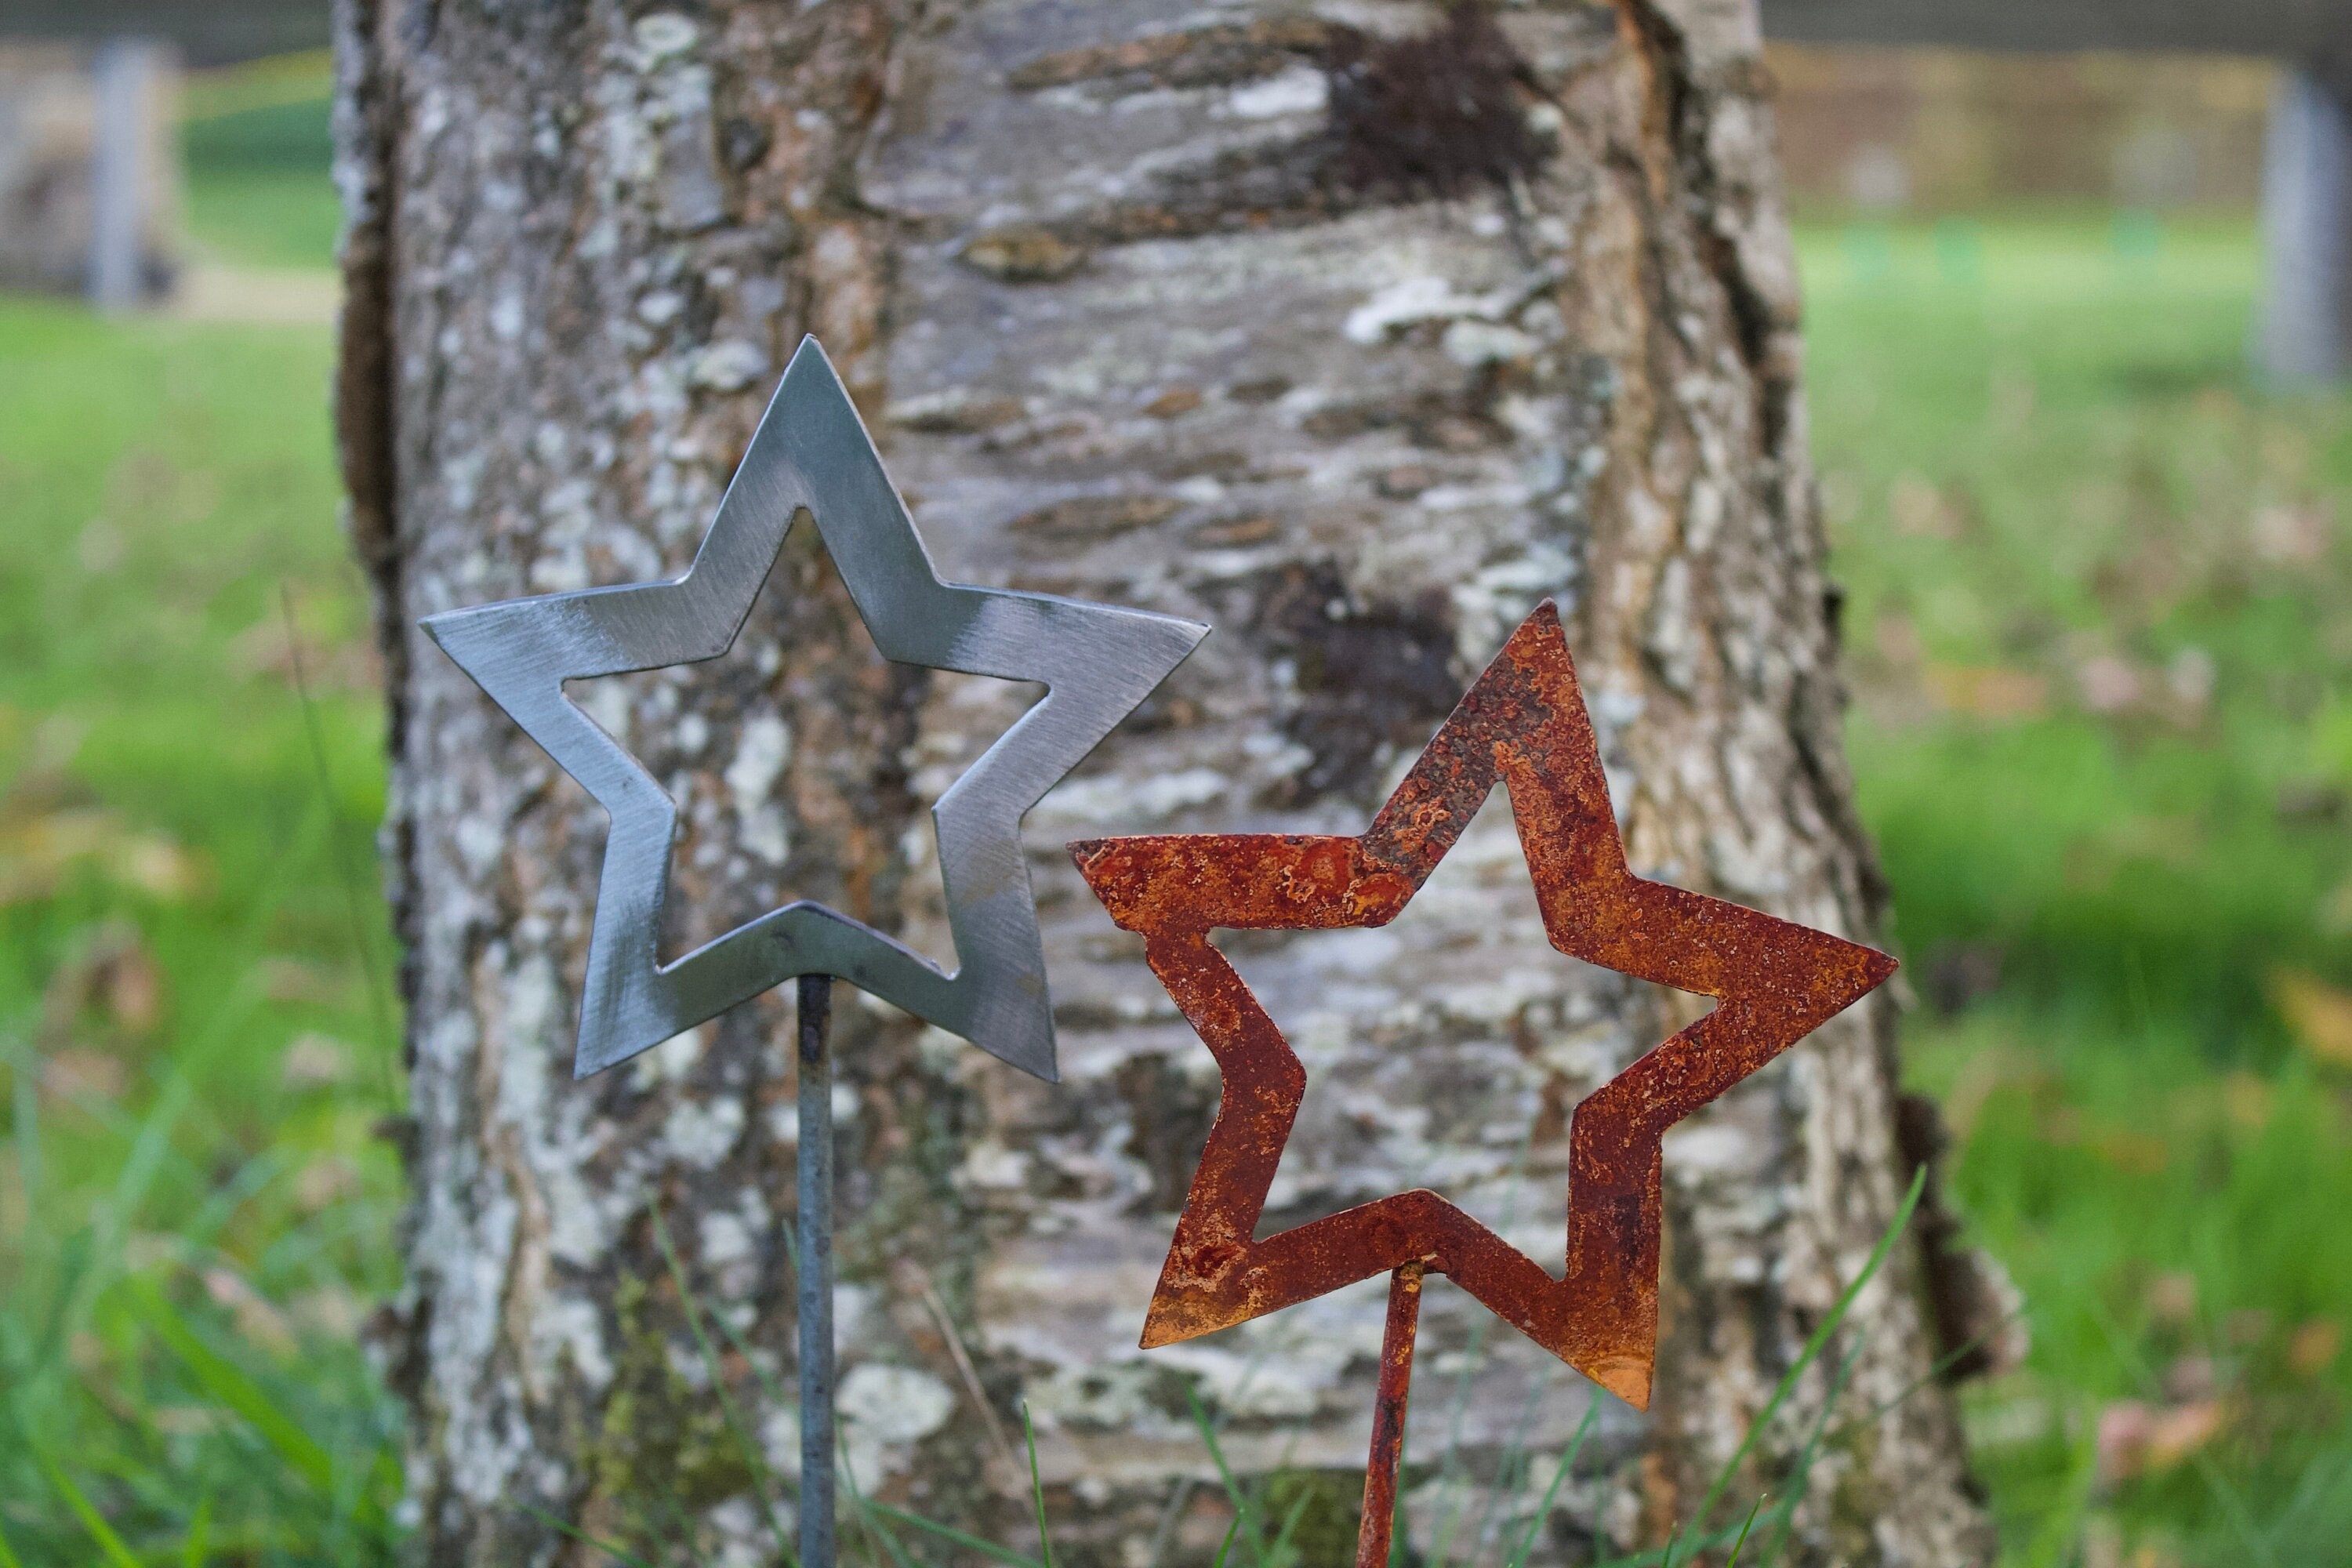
x=324, y=1179
x=2134, y=1153
x=77, y=1074
x=111, y=973
x=2313, y=1347
x=2319, y=1013
x=1990, y=692
x=268, y=649
x=37, y=853
x=2108, y=684
x=1920, y=510
x=2135, y=1438
x=2191, y=1376
x=2247, y=1100
x=314, y=1060
x=2182, y=1429
x=2292, y=535
x=284, y=979
x=2172, y=1299
x=253, y=1314
x=330, y=1312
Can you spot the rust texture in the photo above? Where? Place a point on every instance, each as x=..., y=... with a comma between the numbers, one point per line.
x=1523, y=723
x=1379, y=1524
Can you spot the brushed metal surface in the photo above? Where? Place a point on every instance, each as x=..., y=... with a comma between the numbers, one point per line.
x=812, y=453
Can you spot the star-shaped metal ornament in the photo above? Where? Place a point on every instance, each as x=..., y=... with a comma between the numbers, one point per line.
x=812, y=452
x=1523, y=722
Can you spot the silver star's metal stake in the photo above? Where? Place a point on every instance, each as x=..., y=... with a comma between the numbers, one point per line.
x=815, y=1018
x=812, y=453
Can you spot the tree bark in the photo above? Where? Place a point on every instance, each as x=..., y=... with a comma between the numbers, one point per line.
x=1354, y=343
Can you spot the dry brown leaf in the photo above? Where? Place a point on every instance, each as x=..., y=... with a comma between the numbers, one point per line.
x=2247, y=1100
x=37, y=853
x=114, y=973
x=2134, y=1153
x=2313, y=1347
x=2135, y=1438
x=324, y=1179
x=1990, y=692
x=77, y=1074
x=2319, y=1013
x=330, y=1312
x=254, y=1316
x=2172, y=1299
x=315, y=1060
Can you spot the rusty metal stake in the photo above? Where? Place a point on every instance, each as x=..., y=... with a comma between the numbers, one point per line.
x=1372, y=1536
x=815, y=1181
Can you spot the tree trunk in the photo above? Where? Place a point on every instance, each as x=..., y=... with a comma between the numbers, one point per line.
x=1355, y=344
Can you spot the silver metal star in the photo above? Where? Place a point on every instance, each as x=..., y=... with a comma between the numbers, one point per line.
x=1095, y=661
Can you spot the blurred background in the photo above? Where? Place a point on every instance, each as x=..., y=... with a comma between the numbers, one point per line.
x=2079, y=295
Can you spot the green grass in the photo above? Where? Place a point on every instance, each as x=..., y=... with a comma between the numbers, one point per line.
x=195, y=1039
x=2049, y=479
x=2101, y=633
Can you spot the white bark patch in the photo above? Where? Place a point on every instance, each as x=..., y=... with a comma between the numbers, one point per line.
x=1475, y=343
x=700, y=1134
x=991, y=1165
x=1112, y=799
x=765, y=746
x=1299, y=90
x=728, y=366
x=670, y=1061
x=895, y=1404
x=568, y=1327
x=1671, y=639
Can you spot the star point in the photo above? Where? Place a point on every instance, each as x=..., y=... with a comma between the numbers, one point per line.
x=812, y=453
x=1522, y=723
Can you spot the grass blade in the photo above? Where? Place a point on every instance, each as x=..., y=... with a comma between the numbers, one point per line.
x=1567, y=1463
x=755, y=1459
x=2231, y=1500
x=948, y=1532
x=1036, y=1485
x=197, y=1547
x=1813, y=1348
x=1226, y=1545
x=574, y=1533
x=1745, y=1526
x=354, y=883
x=228, y=1383
x=1244, y=1506
x=109, y=1545
x=1801, y=1472
x=875, y=1530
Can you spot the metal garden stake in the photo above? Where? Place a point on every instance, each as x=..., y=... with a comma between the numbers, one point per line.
x=811, y=453
x=1524, y=723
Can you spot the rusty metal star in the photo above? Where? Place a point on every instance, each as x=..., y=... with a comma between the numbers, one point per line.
x=1523, y=722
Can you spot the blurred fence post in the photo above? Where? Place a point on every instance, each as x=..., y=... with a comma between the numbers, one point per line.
x=2305, y=332
x=120, y=178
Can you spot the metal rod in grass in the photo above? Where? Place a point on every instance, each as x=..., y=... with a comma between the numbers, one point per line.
x=811, y=454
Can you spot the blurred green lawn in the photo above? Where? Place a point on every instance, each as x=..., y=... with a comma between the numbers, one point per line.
x=2100, y=632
